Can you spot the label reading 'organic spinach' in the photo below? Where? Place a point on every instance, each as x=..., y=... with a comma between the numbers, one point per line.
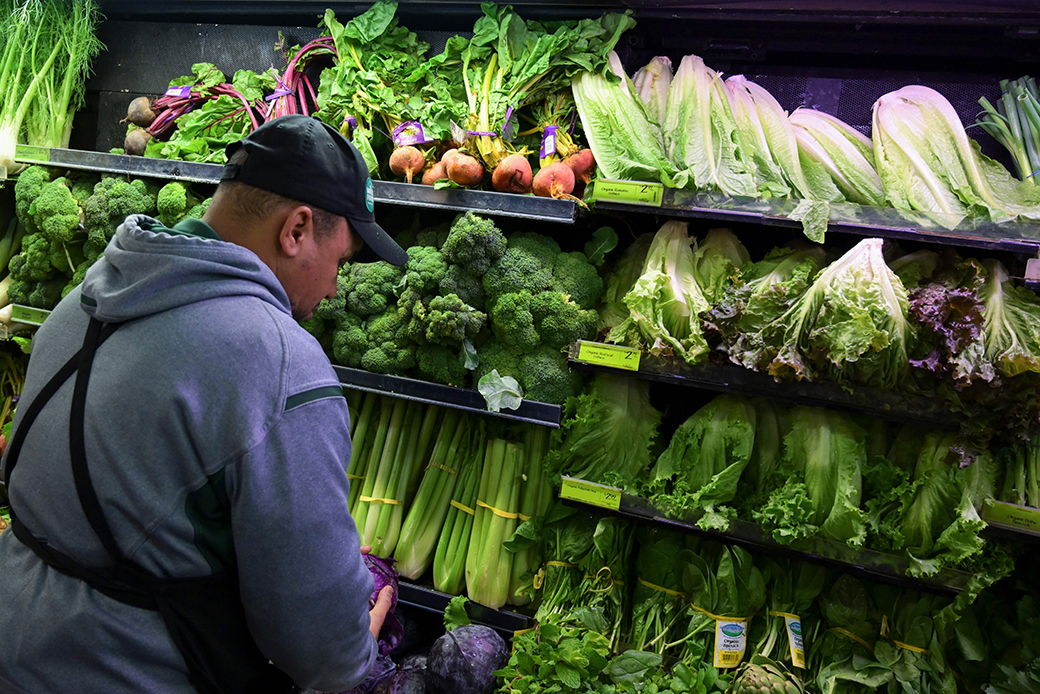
x=795, y=640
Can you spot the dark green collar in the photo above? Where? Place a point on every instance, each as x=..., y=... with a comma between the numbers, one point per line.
x=186, y=227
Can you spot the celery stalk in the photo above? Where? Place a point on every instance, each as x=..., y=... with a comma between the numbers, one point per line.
x=535, y=496
x=449, y=560
x=383, y=523
x=377, y=475
x=431, y=424
x=489, y=563
x=368, y=457
x=360, y=427
x=422, y=526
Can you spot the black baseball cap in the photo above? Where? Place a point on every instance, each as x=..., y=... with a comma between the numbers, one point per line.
x=304, y=159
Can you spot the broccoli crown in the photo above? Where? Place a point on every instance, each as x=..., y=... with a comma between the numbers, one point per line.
x=125, y=199
x=328, y=309
x=474, y=243
x=27, y=188
x=434, y=236
x=172, y=202
x=92, y=251
x=495, y=355
x=77, y=277
x=441, y=364
x=424, y=270
x=65, y=257
x=545, y=376
x=575, y=276
x=349, y=340
x=56, y=212
x=369, y=287
x=466, y=285
x=516, y=271
x=113, y=200
x=83, y=187
x=43, y=294
x=559, y=321
x=33, y=262
x=199, y=210
x=512, y=321
x=538, y=245
x=376, y=344
x=450, y=320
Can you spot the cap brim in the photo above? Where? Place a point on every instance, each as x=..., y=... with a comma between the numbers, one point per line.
x=378, y=245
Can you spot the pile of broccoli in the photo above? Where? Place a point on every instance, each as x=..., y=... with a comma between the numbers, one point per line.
x=69, y=219
x=468, y=301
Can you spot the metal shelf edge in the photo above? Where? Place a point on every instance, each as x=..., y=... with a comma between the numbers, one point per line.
x=530, y=411
x=431, y=600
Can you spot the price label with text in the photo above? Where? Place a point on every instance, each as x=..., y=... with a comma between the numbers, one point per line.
x=1021, y=518
x=590, y=493
x=632, y=192
x=32, y=153
x=28, y=314
x=614, y=356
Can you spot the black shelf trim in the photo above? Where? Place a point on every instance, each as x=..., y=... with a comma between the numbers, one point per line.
x=726, y=378
x=430, y=600
x=386, y=192
x=878, y=566
x=530, y=411
x=845, y=218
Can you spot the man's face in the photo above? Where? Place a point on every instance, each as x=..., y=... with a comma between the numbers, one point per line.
x=314, y=275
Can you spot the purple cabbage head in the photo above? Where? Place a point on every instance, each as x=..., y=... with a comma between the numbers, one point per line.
x=464, y=660
x=383, y=574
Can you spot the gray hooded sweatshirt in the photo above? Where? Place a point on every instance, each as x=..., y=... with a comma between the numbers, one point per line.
x=216, y=433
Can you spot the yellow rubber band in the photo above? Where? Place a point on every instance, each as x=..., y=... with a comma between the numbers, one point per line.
x=447, y=469
x=662, y=590
x=716, y=617
x=846, y=632
x=599, y=577
x=521, y=632
x=908, y=647
x=561, y=563
x=392, y=502
x=525, y=519
x=773, y=613
x=355, y=477
x=463, y=508
x=497, y=512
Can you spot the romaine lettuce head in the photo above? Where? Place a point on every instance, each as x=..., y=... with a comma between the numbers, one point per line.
x=838, y=161
x=927, y=162
x=766, y=139
x=652, y=82
x=623, y=275
x=850, y=326
x=717, y=262
x=1011, y=322
x=665, y=301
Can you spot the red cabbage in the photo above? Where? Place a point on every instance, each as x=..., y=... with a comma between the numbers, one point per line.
x=383, y=574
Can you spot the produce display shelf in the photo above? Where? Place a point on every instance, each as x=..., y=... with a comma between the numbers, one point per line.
x=386, y=192
x=845, y=218
x=1011, y=520
x=530, y=411
x=428, y=599
x=886, y=568
x=729, y=378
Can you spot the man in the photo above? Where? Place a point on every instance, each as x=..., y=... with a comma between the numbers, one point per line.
x=215, y=439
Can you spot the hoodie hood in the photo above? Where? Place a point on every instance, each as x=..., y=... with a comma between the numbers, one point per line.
x=148, y=269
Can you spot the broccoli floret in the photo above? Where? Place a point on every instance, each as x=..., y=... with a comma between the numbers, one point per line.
x=450, y=320
x=173, y=202
x=199, y=210
x=322, y=331
x=538, y=245
x=125, y=199
x=560, y=322
x=467, y=286
x=441, y=364
x=370, y=287
x=545, y=376
x=424, y=270
x=33, y=262
x=77, y=277
x=349, y=341
x=65, y=257
x=328, y=309
x=434, y=237
x=83, y=187
x=92, y=251
x=516, y=271
x=112, y=201
x=386, y=348
x=512, y=321
x=495, y=355
x=474, y=243
x=575, y=276
x=55, y=212
x=27, y=188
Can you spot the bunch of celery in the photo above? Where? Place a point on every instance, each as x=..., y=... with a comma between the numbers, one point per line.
x=422, y=526
x=488, y=562
x=401, y=447
x=449, y=559
x=535, y=496
x=48, y=46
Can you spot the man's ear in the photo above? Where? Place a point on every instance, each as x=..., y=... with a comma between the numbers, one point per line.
x=297, y=228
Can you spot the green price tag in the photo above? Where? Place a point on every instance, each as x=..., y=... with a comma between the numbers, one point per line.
x=590, y=493
x=614, y=356
x=28, y=314
x=32, y=153
x=632, y=192
x=1021, y=518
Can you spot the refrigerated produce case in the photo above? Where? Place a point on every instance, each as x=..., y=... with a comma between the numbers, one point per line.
x=838, y=57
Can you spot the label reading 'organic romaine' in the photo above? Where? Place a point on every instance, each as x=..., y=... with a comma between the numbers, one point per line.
x=1021, y=518
x=631, y=192
x=614, y=356
x=590, y=493
x=795, y=640
x=32, y=153
x=730, y=643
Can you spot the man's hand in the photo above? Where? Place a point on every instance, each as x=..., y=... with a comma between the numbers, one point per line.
x=378, y=613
